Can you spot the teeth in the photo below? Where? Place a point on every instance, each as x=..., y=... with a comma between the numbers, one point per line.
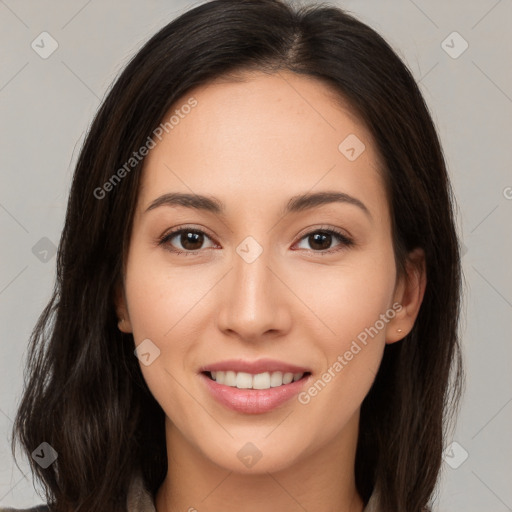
x=243, y=380
x=230, y=378
x=261, y=381
x=276, y=379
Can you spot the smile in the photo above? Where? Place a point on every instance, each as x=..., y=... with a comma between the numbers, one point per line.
x=244, y=380
x=250, y=399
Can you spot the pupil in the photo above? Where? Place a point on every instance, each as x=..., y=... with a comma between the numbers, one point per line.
x=190, y=238
x=321, y=238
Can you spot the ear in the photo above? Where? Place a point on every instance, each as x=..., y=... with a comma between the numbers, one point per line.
x=409, y=292
x=123, y=316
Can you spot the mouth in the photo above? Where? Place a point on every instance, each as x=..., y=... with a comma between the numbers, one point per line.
x=253, y=393
x=264, y=380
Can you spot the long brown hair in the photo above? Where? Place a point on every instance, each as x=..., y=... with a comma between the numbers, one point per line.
x=84, y=392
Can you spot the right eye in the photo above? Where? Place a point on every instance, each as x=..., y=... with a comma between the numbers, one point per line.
x=191, y=241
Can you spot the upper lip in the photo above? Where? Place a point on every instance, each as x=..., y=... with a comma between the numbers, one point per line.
x=254, y=367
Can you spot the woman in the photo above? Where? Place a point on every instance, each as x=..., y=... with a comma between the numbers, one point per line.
x=258, y=279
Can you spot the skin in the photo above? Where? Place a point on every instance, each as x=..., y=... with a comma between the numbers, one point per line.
x=253, y=144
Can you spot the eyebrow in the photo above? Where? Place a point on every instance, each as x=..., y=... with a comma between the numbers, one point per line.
x=296, y=203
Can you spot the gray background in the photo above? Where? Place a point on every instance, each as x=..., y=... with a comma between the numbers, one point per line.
x=47, y=104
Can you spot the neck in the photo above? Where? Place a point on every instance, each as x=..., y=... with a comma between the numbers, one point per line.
x=320, y=481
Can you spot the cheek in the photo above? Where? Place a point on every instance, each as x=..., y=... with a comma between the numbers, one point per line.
x=356, y=310
x=161, y=305
x=168, y=306
x=349, y=298
x=160, y=298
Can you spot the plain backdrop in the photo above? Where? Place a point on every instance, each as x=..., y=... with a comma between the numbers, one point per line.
x=459, y=51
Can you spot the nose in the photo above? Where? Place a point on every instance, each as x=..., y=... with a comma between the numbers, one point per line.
x=254, y=302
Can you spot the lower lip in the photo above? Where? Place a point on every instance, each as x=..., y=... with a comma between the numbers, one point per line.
x=253, y=401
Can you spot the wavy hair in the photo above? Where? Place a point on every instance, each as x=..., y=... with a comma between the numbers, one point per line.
x=84, y=393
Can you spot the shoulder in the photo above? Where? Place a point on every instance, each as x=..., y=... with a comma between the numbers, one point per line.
x=39, y=508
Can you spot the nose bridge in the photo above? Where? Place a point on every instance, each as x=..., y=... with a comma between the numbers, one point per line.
x=253, y=301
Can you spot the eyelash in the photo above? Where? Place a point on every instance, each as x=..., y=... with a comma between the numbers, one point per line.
x=344, y=240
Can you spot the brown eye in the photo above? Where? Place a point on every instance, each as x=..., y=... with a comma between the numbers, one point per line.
x=191, y=240
x=321, y=241
x=185, y=240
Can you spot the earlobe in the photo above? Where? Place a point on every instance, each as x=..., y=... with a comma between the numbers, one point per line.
x=409, y=294
x=123, y=324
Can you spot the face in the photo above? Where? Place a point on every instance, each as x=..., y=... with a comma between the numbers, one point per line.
x=259, y=273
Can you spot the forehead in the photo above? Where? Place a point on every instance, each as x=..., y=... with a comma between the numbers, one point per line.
x=266, y=135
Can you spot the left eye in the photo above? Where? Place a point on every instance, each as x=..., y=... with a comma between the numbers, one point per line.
x=320, y=240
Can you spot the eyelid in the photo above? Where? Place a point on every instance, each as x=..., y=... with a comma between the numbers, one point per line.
x=183, y=227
